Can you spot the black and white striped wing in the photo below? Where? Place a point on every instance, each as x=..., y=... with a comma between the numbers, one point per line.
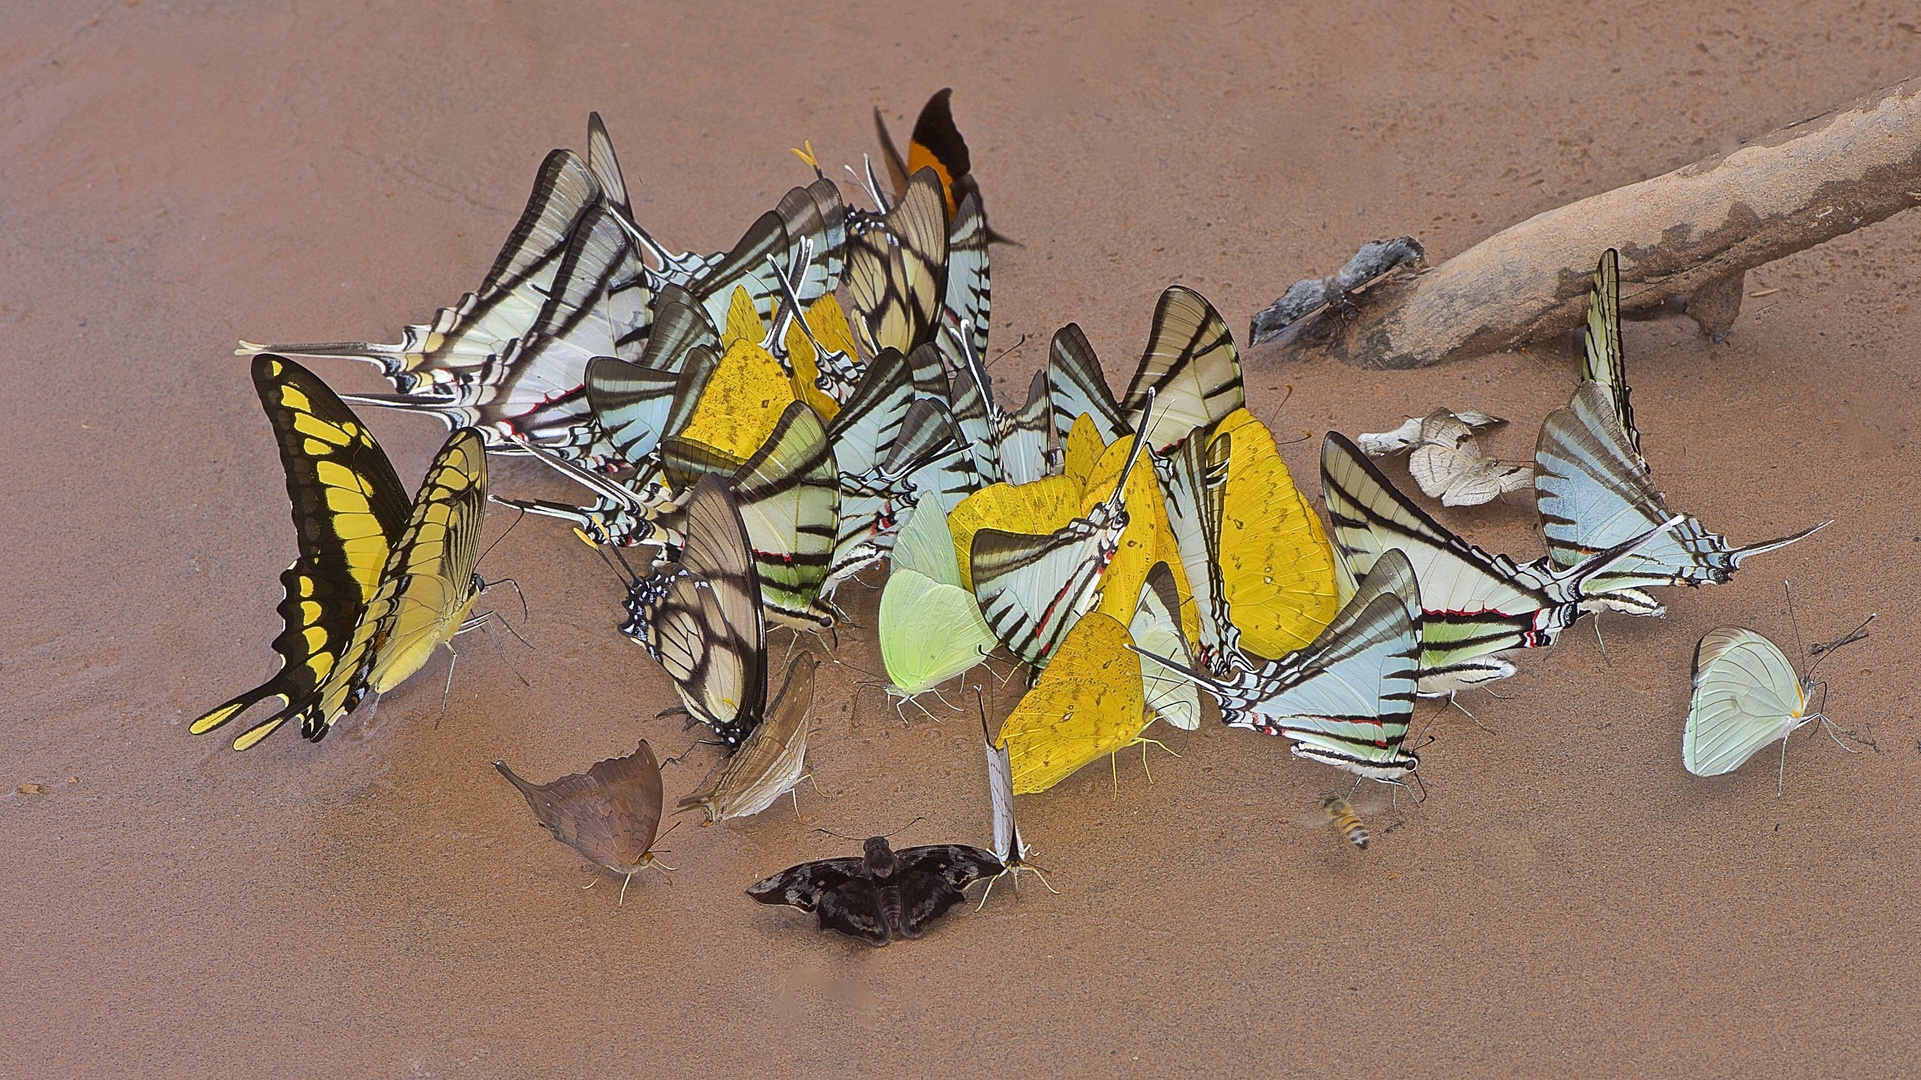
x=1474, y=603
x=1602, y=360
x=1077, y=387
x=1346, y=699
x=468, y=337
x=805, y=236
x=969, y=293
x=1033, y=587
x=789, y=497
x=1190, y=367
x=1593, y=496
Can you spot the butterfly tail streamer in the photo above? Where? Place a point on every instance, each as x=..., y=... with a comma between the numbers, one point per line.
x=1738, y=555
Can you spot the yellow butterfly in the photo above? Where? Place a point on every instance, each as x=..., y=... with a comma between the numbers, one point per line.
x=1087, y=703
x=378, y=584
x=1278, y=571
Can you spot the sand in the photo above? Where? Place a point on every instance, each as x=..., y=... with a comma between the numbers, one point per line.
x=174, y=177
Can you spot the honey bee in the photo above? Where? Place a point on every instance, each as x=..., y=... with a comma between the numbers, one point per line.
x=1345, y=820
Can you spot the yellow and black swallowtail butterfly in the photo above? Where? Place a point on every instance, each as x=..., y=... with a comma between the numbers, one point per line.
x=378, y=584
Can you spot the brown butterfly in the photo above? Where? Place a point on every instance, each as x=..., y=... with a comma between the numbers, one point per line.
x=770, y=762
x=610, y=813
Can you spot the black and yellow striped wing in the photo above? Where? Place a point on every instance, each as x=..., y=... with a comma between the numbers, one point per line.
x=349, y=510
x=429, y=584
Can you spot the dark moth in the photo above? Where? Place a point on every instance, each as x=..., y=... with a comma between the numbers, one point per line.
x=884, y=894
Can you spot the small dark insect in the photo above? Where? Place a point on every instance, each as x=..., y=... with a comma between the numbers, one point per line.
x=610, y=813
x=1335, y=292
x=883, y=894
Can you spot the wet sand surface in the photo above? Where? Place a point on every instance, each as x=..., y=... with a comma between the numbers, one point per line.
x=175, y=177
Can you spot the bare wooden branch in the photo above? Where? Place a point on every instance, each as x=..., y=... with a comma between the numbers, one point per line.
x=1691, y=233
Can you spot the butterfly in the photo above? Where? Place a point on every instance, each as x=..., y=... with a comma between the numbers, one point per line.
x=882, y=894
x=381, y=580
x=1474, y=604
x=771, y=761
x=510, y=359
x=1746, y=695
x=1190, y=370
x=1408, y=435
x=701, y=618
x=474, y=331
x=1346, y=699
x=937, y=144
x=1594, y=490
x=930, y=627
x=610, y=813
x=897, y=269
x=1034, y=585
x=1448, y=464
x=1009, y=447
x=1008, y=847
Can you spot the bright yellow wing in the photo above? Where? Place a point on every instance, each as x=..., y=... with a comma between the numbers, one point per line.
x=1147, y=539
x=1037, y=508
x=1082, y=449
x=1277, y=567
x=829, y=326
x=430, y=586
x=743, y=401
x=1087, y=704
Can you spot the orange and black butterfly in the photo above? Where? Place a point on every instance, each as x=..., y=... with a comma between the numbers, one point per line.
x=936, y=143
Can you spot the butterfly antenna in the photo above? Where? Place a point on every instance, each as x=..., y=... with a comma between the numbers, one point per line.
x=510, y=528
x=999, y=355
x=1820, y=651
x=1799, y=653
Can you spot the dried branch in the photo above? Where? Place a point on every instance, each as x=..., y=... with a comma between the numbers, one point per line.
x=1692, y=233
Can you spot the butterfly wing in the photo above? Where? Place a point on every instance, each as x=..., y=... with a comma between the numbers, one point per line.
x=929, y=631
x=897, y=269
x=1746, y=696
x=771, y=761
x=349, y=510
x=1086, y=704
x=789, y=497
x=709, y=624
x=1602, y=360
x=958, y=865
x=631, y=403
x=1347, y=701
x=1475, y=604
x=1190, y=367
x=804, y=886
x=1276, y=567
x=430, y=585
x=1156, y=630
x=1033, y=588
x=609, y=813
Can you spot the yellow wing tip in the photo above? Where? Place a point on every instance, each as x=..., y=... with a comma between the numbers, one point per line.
x=253, y=735
x=215, y=718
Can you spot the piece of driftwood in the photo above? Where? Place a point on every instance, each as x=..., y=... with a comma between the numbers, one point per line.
x=1686, y=239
